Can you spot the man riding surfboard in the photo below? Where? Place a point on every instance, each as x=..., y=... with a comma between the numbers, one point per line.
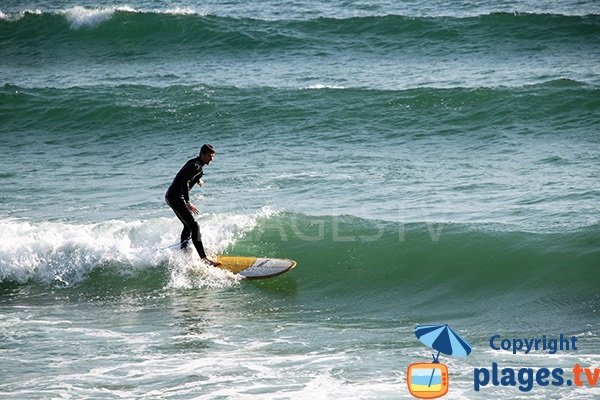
x=178, y=198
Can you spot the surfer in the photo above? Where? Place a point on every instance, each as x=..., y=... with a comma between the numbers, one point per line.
x=178, y=198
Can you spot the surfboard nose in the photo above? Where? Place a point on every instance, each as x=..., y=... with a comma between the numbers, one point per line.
x=254, y=267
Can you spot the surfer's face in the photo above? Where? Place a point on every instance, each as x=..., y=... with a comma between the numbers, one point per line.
x=207, y=158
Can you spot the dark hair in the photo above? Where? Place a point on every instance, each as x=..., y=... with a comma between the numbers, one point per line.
x=207, y=148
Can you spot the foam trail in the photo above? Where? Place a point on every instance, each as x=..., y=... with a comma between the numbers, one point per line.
x=185, y=274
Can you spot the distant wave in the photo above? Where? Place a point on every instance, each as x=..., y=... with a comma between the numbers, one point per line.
x=80, y=16
x=299, y=13
x=177, y=26
x=561, y=101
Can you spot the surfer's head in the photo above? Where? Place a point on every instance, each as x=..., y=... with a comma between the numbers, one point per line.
x=207, y=153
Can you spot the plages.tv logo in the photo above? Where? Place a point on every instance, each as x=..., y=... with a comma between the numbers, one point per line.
x=431, y=380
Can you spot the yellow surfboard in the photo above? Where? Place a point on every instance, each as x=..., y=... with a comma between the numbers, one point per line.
x=255, y=267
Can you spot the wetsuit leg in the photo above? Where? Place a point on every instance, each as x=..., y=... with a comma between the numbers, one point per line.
x=190, y=226
x=186, y=235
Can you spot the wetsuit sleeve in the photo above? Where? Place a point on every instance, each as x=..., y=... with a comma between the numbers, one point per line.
x=185, y=190
x=190, y=173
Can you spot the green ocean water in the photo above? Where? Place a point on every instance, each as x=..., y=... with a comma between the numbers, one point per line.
x=422, y=164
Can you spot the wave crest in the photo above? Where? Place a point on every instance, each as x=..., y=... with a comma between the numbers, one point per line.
x=79, y=17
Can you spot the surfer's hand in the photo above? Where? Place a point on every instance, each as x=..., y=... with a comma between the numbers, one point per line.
x=200, y=183
x=193, y=209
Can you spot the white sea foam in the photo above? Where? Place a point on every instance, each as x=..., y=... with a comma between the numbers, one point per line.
x=80, y=17
x=182, y=11
x=15, y=16
x=64, y=253
x=322, y=86
x=57, y=252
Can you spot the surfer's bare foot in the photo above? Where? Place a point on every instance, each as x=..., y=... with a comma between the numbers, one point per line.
x=211, y=262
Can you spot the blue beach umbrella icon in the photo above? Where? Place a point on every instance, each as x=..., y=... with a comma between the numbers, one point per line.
x=443, y=339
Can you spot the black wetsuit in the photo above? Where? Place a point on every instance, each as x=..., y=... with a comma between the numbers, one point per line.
x=177, y=197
